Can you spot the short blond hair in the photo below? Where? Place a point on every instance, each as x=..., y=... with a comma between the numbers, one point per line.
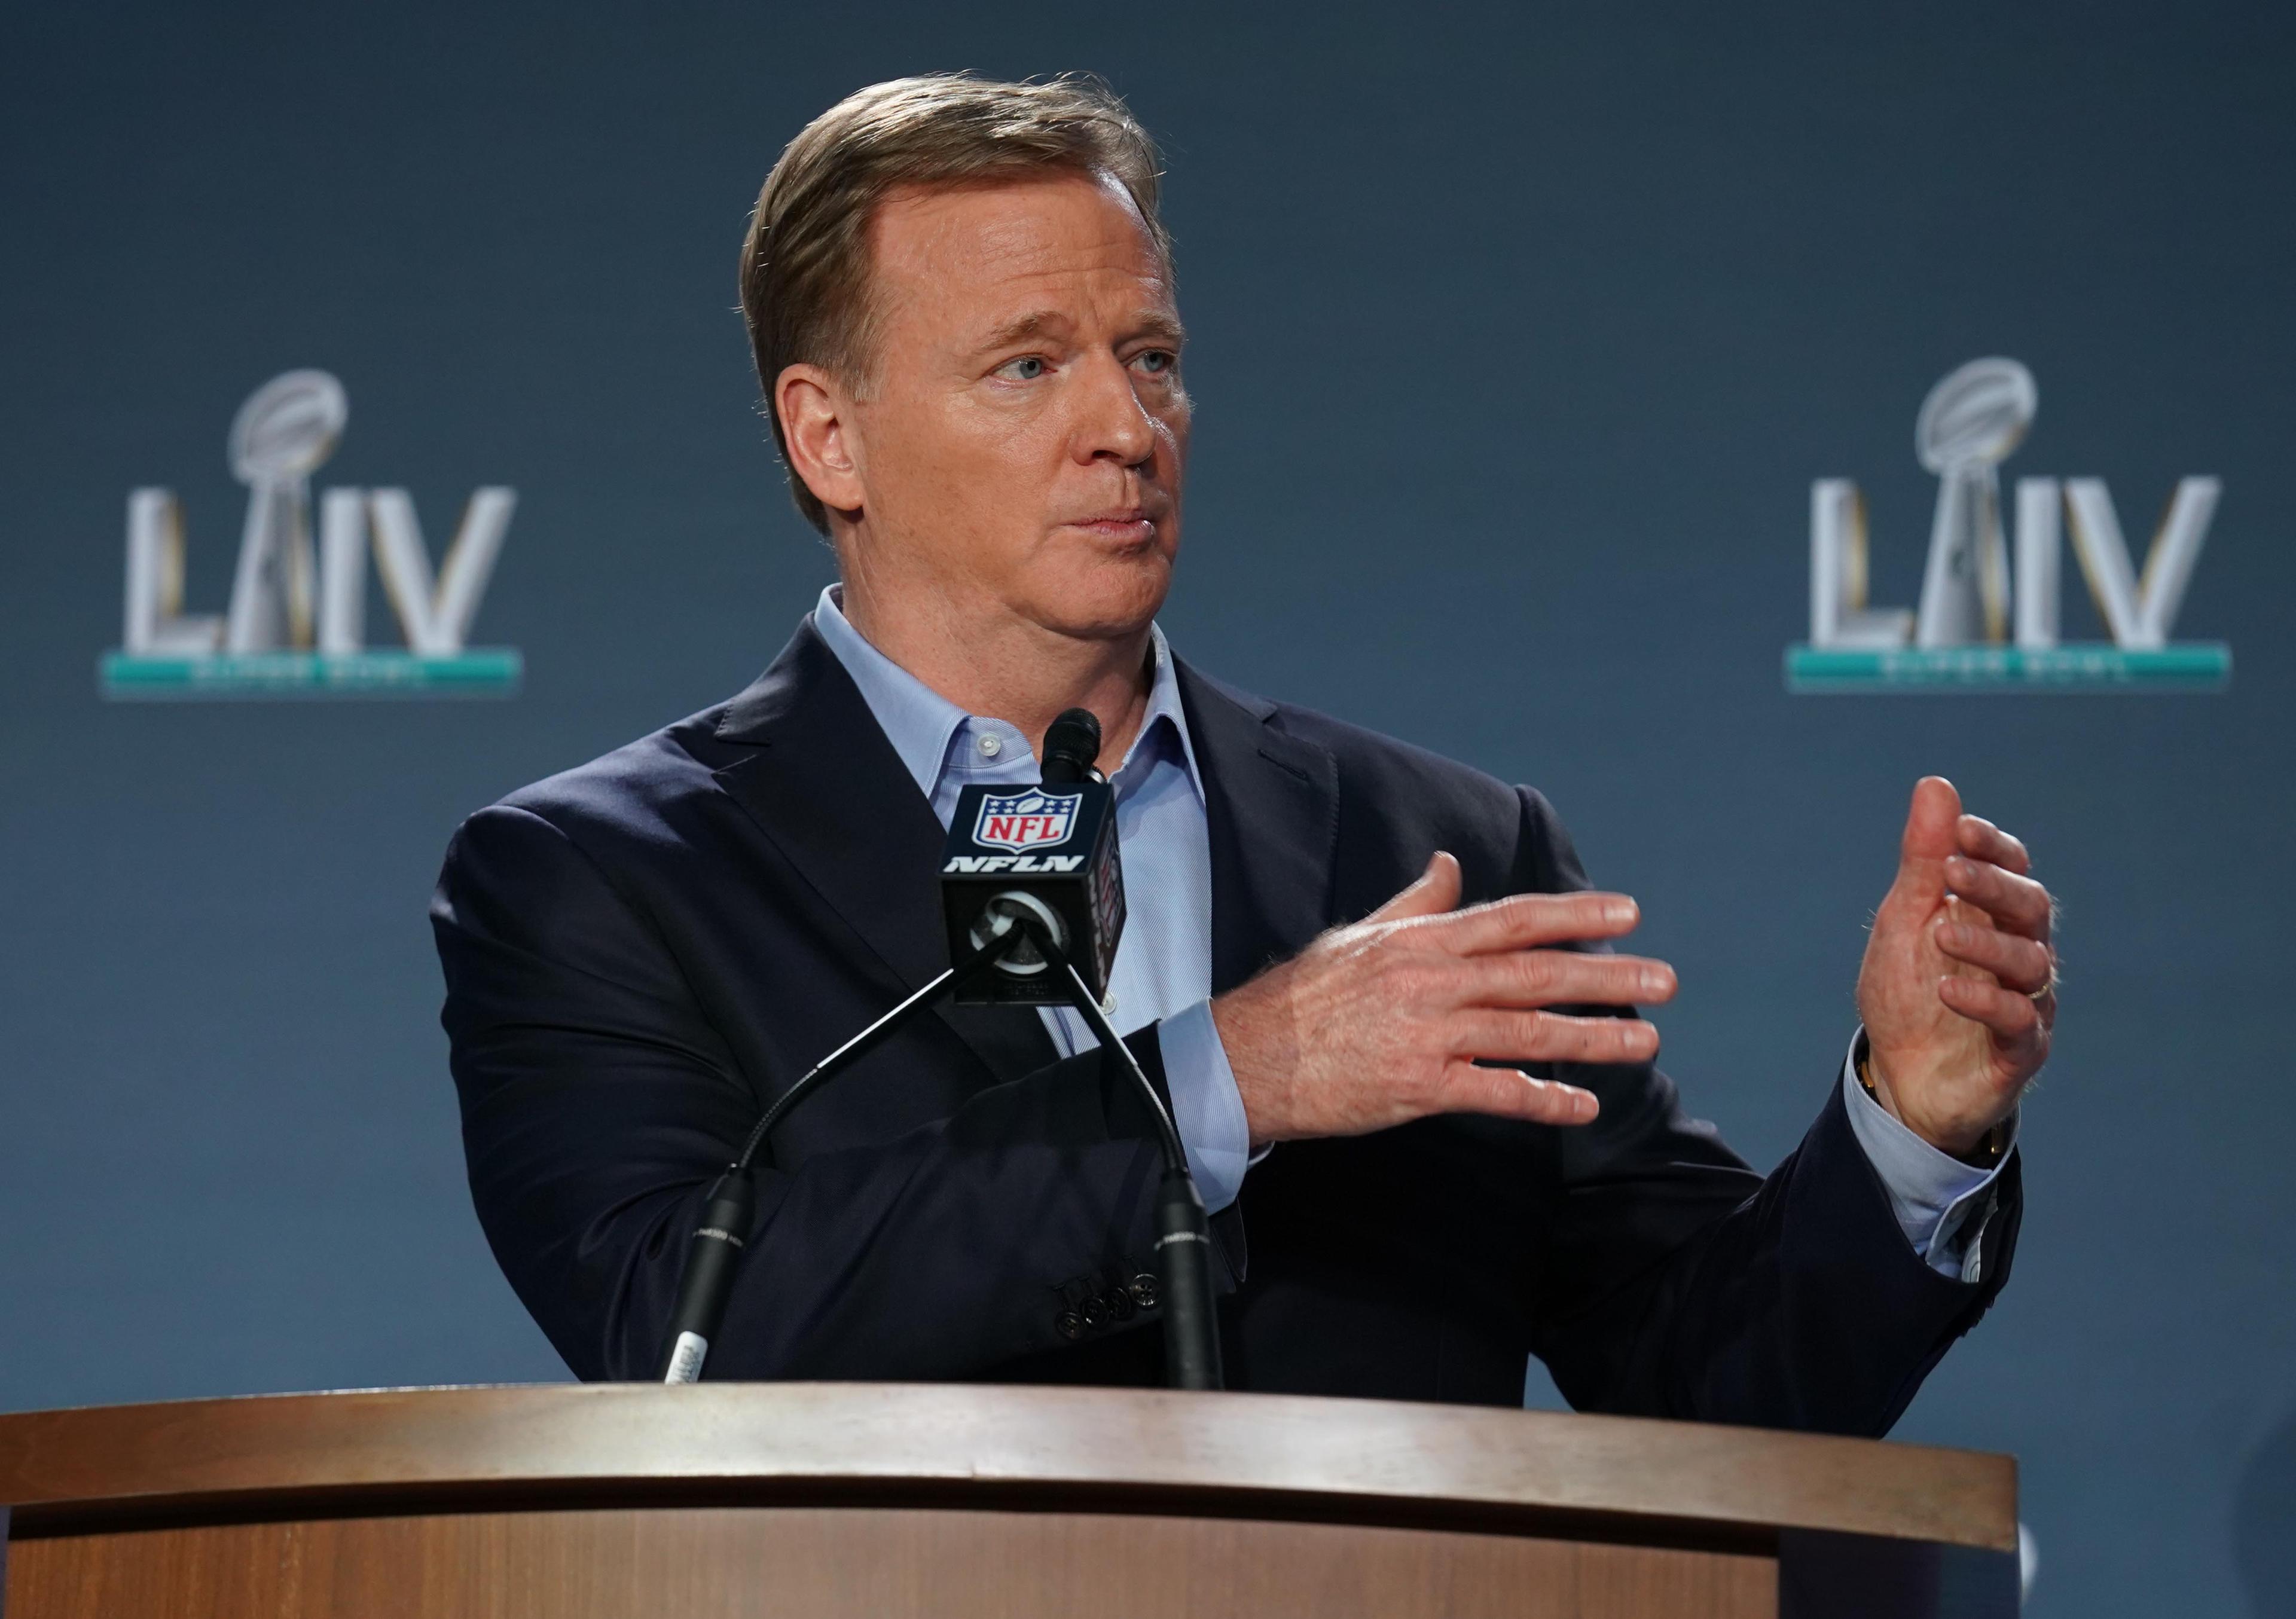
x=804, y=265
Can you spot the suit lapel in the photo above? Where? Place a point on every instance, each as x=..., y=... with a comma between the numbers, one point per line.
x=1271, y=803
x=815, y=773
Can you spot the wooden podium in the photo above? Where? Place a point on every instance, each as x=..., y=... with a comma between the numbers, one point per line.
x=640, y=1502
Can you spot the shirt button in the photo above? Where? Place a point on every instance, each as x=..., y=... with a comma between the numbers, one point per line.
x=990, y=746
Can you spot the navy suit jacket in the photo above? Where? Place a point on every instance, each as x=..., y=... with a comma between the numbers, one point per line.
x=642, y=953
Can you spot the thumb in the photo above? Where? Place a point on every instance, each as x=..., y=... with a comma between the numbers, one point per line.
x=1930, y=822
x=1436, y=891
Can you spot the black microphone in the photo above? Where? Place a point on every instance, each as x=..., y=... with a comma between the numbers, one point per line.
x=1072, y=898
x=1042, y=862
x=1041, y=857
x=1033, y=891
x=1071, y=748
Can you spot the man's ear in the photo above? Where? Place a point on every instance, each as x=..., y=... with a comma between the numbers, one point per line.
x=816, y=417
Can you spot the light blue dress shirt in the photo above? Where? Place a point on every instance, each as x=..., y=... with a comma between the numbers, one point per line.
x=1163, y=969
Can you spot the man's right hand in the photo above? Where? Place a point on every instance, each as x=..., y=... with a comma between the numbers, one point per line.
x=1380, y=1022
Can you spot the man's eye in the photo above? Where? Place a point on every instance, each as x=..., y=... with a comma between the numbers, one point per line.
x=1157, y=362
x=1028, y=368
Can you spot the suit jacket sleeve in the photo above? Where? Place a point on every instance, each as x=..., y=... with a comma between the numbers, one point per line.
x=598, y=1104
x=1673, y=1281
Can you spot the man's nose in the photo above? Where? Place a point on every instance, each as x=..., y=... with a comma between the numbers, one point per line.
x=1112, y=423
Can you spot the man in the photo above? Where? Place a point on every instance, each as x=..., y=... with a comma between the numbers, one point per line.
x=1372, y=983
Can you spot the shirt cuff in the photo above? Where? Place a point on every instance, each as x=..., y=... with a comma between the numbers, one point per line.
x=1942, y=1205
x=1206, y=1106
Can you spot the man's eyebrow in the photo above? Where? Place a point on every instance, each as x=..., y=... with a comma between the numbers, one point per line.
x=1036, y=323
x=1159, y=323
x=1164, y=324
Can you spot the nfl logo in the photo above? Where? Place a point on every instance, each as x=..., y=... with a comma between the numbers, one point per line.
x=1026, y=821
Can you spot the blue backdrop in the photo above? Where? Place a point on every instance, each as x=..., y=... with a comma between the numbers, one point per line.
x=1518, y=340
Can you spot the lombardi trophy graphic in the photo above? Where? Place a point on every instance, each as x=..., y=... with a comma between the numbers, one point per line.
x=282, y=434
x=1968, y=426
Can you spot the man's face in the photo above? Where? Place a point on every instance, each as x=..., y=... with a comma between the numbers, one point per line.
x=1019, y=446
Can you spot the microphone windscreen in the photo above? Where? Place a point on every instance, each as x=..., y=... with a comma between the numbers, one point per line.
x=1071, y=747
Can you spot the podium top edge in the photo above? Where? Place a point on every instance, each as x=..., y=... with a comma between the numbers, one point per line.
x=288, y=1456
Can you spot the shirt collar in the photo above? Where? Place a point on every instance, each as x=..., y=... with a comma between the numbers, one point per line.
x=922, y=725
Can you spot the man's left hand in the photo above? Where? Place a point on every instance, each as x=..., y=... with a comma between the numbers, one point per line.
x=1959, y=987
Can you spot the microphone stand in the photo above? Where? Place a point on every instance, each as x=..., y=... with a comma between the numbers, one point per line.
x=714, y=1250
x=1184, y=1234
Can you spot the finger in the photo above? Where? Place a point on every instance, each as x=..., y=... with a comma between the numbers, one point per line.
x=2012, y=1016
x=1980, y=840
x=2017, y=903
x=1500, y=1036
x=1436, y=891
x=2021, y=964
x=1523, y=922
x=1929, y=821
x=1562, y=977
x=1510, y=1093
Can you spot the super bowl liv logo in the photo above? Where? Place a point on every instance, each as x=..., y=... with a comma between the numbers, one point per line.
x=1961, y=638
x=297, y=620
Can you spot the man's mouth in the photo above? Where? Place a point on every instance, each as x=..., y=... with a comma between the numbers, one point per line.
x=1136, y=524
